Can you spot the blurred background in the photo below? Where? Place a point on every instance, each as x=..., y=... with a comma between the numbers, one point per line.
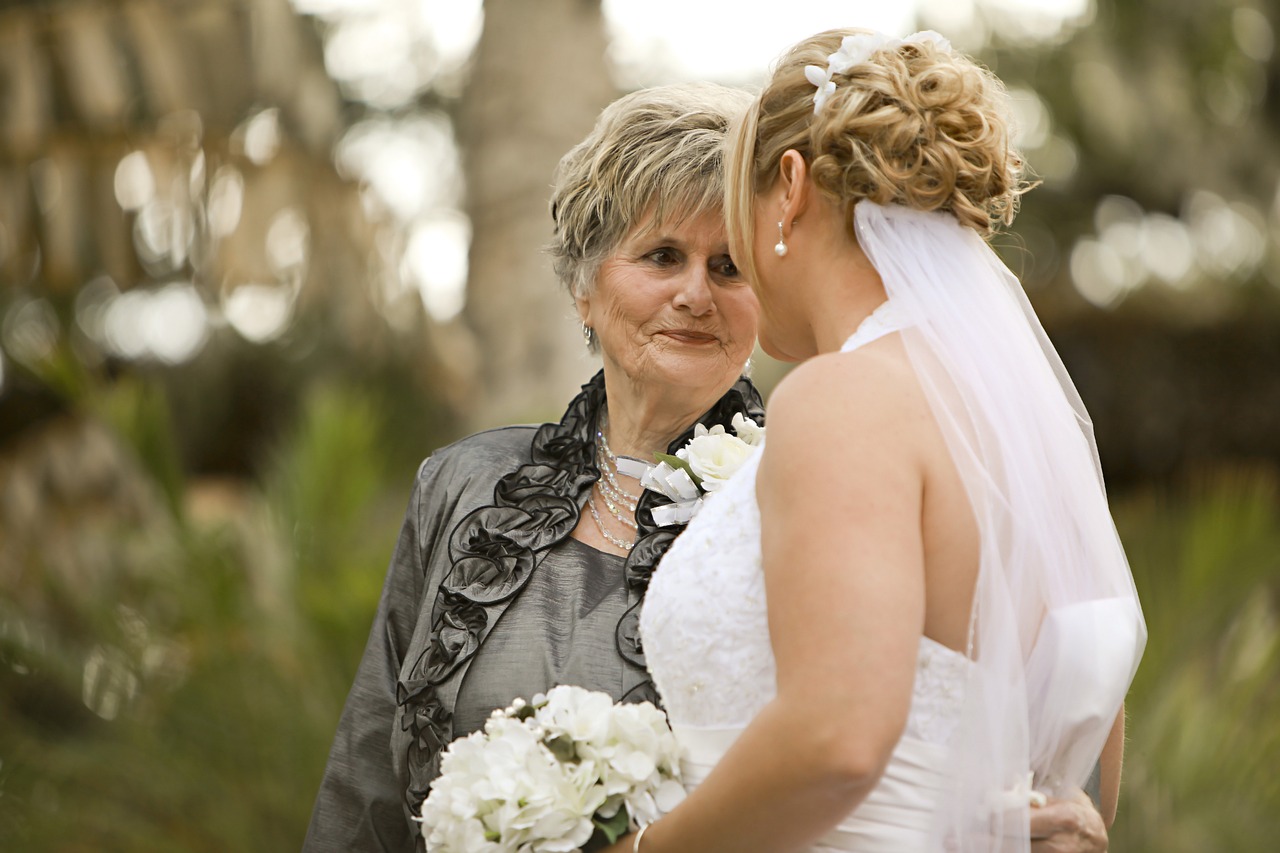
x=260, y=257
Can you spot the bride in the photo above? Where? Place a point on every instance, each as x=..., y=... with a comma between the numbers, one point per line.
x=909, y=617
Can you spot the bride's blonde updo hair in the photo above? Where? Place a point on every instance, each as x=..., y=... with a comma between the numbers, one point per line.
x=917, y=125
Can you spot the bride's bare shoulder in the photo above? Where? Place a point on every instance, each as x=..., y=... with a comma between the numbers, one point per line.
x=873, y=387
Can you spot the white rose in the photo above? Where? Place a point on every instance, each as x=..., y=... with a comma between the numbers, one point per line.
x=715, y=456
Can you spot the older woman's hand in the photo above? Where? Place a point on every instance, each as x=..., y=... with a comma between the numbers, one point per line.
x=1068, y=826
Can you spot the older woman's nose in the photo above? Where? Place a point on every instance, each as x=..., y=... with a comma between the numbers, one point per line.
x=694, y=293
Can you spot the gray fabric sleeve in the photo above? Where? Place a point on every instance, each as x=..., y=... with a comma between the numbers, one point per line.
x=359, y=806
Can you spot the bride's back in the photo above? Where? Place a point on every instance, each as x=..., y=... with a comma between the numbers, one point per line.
x=948, y=532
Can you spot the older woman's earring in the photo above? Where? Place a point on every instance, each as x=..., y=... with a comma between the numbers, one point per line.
x=587, y=332
x=781, y=248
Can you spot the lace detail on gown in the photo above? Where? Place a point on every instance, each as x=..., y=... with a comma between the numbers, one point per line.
x=706, y=639
x=938, y=695
x=706, y=632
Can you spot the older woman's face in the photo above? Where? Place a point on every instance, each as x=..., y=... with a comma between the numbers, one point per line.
x=671, y=309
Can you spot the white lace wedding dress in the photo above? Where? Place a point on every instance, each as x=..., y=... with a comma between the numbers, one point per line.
x=706, y=639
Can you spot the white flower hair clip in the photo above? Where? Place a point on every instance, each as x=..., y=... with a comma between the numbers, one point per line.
x=855, y=50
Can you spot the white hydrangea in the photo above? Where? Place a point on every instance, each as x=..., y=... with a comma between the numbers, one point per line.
x=534, y=785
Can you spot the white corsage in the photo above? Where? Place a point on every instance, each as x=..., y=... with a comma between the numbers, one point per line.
x=545, y=776
x=855, y=50
x=703, y=465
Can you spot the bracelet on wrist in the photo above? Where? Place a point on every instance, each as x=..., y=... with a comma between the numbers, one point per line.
x=635, y=843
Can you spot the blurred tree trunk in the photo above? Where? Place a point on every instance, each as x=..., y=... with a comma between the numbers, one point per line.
x=538, y=83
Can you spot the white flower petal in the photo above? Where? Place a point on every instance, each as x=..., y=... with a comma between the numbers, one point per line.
x=816, y=76
x=929, y=36
x=748, y=430
x=716, y=458
x=669, y=795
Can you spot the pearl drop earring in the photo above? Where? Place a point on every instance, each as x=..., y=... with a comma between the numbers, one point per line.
x=781, y=248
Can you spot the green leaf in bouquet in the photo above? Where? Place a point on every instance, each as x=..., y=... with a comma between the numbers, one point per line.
x=614, y=827
x=561, y=747
x=677, y=462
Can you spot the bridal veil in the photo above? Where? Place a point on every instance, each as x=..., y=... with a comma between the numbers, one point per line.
x=1056, y=629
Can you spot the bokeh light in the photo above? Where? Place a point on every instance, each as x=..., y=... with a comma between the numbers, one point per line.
x=1167, y=249
x=92, y=303
x=288, y=242
x=1099, y=272
x=135, y=185
x=1213, y=242
x=409, y=166
x=727, y=40
x=168, y=324
x=436, y=260
x=1229, y=237
x=259, y=136
x=1253, y=33
x=259, y=312
x=30, y=331
x=1032, y=125
x=226, y=201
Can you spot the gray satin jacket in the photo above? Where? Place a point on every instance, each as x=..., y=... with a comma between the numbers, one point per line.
x=485, y=515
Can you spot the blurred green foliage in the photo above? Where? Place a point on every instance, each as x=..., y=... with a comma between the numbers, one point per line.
x=1204, y=733
x=223, y=670
x=225, y=663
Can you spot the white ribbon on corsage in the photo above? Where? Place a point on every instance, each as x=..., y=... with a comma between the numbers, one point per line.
x=674, y=483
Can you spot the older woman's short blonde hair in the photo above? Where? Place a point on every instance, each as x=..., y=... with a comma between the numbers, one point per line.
x=655, y=155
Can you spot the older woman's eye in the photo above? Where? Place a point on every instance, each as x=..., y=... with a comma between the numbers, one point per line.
x=726, y=268
x=664, y=257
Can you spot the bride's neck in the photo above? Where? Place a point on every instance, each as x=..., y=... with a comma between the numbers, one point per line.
x=839, y=303
x=835, y=282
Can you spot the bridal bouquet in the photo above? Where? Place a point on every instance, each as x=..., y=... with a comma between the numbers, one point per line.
x=551, y=775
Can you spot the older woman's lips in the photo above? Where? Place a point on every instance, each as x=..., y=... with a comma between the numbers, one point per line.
x=687, y=337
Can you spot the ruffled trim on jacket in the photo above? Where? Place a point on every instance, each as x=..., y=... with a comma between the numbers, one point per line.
x=495, y=549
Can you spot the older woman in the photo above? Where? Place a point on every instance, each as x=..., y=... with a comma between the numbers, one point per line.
x=525, y=551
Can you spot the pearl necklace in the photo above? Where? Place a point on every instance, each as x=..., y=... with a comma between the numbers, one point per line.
x=616, y=499
x=604, y=531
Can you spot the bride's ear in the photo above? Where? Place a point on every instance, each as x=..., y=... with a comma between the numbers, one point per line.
x=793, y=180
